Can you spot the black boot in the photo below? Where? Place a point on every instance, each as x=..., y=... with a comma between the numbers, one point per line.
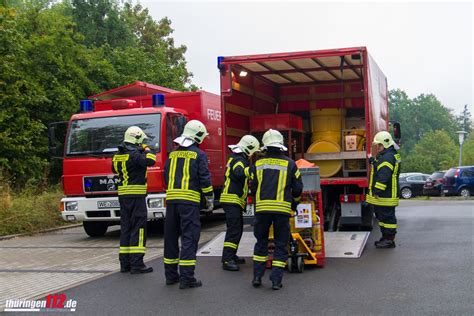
x=276, y=286
x=239, y=260
x=142, y=269
x=230, y=265
x=257, y=281
x=377, y=241
x=124, y=268
x=190, y=284
x=385, y=243
x=171, y=281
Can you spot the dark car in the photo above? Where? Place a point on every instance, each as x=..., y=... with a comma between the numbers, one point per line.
x=459, y=181
x=434, y=185
x=411, y=184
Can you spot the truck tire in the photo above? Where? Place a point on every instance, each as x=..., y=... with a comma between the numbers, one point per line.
x=95, y=229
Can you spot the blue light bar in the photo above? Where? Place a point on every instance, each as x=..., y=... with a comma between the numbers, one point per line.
x=86, y=106
x=219, y=61
x=158, y=100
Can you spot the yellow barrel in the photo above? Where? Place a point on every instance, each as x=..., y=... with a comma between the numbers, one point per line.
x=327, y=168
x=327, y=124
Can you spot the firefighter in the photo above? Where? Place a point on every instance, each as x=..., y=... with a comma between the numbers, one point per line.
x=383, y=187
x=131, y=165
x=186, y=176
x=277, y=183
x=234, y=198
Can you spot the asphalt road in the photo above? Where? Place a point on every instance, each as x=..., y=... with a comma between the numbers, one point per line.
x=430, y=272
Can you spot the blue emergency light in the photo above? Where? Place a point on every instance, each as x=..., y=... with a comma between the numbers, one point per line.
x=158, y=100
x=86, y=106
x=220, y=59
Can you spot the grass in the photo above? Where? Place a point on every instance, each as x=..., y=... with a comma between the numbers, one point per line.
x=29, y=211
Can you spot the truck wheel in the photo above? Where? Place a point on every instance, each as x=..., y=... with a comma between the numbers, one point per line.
x=95, y=229
x=406, y=193
x=289, y=264
x=464, y=192
x=300, y=264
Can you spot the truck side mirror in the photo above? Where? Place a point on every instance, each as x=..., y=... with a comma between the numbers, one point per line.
x=53, y=147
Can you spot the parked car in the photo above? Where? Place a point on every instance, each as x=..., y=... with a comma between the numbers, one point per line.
x=459, y=181
x=411, y=184
x=434, y=185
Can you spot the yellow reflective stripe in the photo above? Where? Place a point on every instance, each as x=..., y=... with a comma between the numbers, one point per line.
x=227, y=175
x=151, y=156
x=245, y=191
x=297, y=173
x=121, y=158
x=371, y=179
x=380, y=186
x=178, y=194
x=187, y=262
x=385, y=225
x=272, y=161
x=230, y=245
x=141, y=233
x=277, y=263
x=382, y=201
x=385, y=164
x=172, y=173
x=186, y=154
x=259, y=179
x=207, y=190
x=394, y=178
x=124, y=173
x=239, y=164
x=232, y=198
x=132, y=189
x=171, y=261
x=247, y=172
x=125, y=250
x=297, y=199
x=281, y=186
x=116, y=167
x=260, y=258
x=185, y=177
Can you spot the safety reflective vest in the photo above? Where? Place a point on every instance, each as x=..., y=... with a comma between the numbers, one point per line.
x=130, y=164
x=383, y=185
x=186, y=175
x=236, y=181
x=277, y=183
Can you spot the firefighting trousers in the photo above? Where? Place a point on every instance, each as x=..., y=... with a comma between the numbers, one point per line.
x=182, y=220
x=387, y=220
x=133, y=233
x=235, y=226
x=281, y=238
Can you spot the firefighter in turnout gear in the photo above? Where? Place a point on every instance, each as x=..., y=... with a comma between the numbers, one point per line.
x=131, y=166
x=187, y=177
x=234, y=198
x=384, y=188
x=277, y=183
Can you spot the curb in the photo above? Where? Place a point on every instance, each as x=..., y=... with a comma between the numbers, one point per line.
x=39, y=231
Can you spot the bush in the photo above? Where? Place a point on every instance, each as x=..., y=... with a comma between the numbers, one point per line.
x=29, y=211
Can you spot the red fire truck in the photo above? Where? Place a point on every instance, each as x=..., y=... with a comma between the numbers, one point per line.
x=90, y=187
x=328, y=103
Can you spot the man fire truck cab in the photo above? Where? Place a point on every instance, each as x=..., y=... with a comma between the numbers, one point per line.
x=93, y=135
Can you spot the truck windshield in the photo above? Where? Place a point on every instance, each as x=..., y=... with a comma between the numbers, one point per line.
x=101, y=136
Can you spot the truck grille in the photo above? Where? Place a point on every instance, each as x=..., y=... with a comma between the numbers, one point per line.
x=98, y=213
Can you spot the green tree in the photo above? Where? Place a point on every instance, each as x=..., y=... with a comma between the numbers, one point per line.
x=468, y=151
x=435, y=151
x=419, y=116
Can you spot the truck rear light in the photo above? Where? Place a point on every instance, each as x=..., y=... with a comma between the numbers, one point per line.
x=249, y=200
x=351, y=198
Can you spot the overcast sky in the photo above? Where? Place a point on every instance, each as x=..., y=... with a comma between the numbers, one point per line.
x=423, y=47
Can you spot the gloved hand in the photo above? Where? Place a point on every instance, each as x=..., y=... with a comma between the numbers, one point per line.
x=371, y=160
x=210, y=202
x=145, y=147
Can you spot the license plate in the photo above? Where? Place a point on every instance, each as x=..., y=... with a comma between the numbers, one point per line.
x=108, y=204
x=249, y=210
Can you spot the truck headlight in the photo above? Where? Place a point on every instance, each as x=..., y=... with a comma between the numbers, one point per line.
x=71, y=206
x=155, y=203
